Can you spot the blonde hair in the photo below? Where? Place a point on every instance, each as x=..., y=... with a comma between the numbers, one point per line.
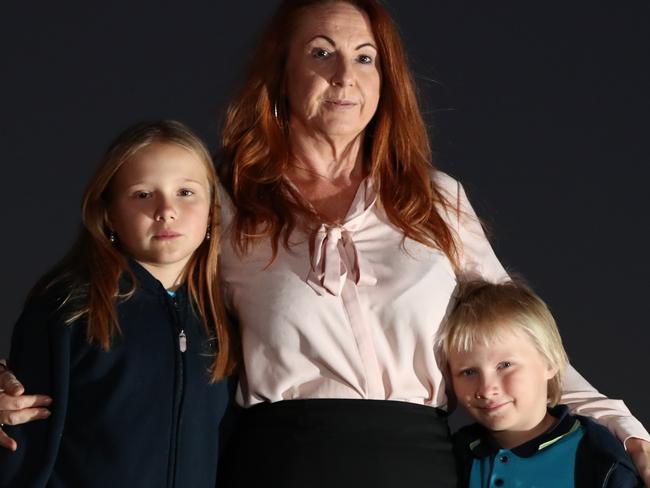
x=484, y=310
x=93, y=267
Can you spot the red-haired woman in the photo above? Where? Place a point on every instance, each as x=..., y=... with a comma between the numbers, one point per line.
x=342, y=247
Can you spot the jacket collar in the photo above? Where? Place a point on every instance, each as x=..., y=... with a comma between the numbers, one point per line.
x=483, y=444
x=147, y=281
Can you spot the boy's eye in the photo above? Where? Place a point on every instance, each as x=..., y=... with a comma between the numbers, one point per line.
x=364, y=59
x=320, y=53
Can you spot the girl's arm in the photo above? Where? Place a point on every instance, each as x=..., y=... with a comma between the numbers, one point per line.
x=40, y=351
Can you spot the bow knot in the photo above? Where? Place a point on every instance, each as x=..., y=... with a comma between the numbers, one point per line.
x=336, y=257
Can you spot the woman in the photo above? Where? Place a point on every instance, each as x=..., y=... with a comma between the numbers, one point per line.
x=341, y=255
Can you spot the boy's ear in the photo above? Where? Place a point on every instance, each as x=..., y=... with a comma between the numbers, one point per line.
x=551, y=371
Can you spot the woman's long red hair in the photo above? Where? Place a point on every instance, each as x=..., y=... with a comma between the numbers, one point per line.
x=397, y=154
x=93, y=267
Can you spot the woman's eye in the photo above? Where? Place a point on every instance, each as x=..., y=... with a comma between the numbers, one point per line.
x=320, y=53
x=186, y=193
x=364, y=59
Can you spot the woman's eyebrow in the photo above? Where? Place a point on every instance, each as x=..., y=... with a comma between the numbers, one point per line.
x=331, y=41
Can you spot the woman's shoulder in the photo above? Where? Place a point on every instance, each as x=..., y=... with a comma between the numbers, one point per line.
x=226, y=204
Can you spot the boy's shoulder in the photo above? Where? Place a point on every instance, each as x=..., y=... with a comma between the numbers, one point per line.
x=600, y=456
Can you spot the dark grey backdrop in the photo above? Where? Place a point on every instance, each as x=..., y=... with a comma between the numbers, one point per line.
x=540, y=109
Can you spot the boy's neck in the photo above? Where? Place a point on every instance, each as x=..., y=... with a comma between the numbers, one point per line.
x=509, y=439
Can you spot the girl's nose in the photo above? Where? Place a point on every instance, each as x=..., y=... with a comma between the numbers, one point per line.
x=165, y=211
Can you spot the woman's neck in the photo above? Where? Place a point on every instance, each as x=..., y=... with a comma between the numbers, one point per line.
x=327, y=172
x=315, y=155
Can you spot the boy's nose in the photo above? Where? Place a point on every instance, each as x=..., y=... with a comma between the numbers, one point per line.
x=487, y=387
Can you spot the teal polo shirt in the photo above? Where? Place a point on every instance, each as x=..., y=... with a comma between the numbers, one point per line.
x=546, y=461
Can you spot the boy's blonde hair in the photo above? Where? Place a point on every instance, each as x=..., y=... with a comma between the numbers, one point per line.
x=483, y=310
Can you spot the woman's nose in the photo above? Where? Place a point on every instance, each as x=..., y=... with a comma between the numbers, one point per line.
x=343, y=75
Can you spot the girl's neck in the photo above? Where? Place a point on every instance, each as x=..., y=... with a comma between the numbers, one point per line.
x=171, y=276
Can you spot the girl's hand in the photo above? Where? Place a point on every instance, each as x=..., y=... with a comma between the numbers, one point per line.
x=639, y=451
x=16, y=408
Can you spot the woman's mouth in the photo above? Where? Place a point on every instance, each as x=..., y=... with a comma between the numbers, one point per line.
x=339, y=104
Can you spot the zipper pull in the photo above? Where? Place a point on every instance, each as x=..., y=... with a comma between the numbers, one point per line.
x=182, y=341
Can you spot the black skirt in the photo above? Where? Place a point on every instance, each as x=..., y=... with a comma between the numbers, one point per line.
x=339, y=443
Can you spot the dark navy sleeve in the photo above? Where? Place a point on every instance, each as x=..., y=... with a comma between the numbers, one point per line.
x=40, y=358
x=624, y=477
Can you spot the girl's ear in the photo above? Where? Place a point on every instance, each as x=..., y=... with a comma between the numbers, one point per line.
x=107, y=219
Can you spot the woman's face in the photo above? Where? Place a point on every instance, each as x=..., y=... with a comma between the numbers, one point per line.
x=333, y=79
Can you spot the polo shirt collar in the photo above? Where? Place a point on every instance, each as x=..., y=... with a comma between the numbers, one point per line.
x=483, y=444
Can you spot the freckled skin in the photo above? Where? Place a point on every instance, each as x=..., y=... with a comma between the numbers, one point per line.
x=159, y=208
x=332, y=57
x=504, y=386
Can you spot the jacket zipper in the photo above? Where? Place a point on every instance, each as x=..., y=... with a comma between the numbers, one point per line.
x=178, y=401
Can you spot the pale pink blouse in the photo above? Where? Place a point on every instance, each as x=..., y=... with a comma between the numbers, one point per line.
x=357, y=319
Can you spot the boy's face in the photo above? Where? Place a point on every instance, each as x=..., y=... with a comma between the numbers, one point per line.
x=503, y=386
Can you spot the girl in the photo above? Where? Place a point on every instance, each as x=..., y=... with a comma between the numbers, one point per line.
x=128, y=332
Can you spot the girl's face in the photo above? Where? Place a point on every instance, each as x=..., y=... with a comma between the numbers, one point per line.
x=160, y=207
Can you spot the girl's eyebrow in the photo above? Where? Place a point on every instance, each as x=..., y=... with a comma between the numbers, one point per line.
x=331, y=41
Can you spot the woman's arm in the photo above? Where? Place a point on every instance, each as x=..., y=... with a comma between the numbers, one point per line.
x=40, y=357
x=477, y=259
x=584, y=399
x=16, y=407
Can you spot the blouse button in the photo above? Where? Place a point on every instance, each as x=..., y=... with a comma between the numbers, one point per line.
x=504, y=459
x=498, y=482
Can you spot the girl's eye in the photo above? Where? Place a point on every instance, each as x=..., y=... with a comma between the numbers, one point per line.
x=186, y=193
x=364, y=59
x=505, y=364
x=320, y=53
x=468, y=372
x=141, y=195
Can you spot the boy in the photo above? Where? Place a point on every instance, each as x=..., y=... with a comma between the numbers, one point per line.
x=503, y=355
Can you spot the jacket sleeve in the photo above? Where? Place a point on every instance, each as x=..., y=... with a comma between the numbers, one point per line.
x=40, y=352
x=477, y=260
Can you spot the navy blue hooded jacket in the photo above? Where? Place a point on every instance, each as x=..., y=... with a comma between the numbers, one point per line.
x=142, y=414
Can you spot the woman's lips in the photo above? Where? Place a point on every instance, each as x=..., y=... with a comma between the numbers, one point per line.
x=339, y=104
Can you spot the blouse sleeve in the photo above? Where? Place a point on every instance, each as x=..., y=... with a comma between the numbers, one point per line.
x=40, y=351
x=477, y=260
